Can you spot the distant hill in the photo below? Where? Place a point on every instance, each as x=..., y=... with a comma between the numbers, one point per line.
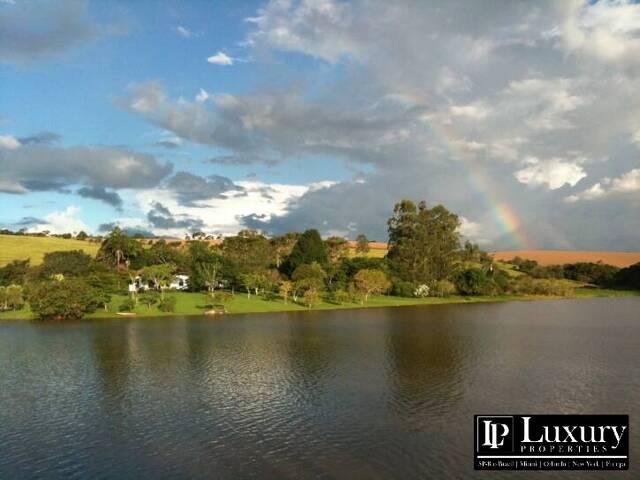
x=21, y=247
x=559, y=257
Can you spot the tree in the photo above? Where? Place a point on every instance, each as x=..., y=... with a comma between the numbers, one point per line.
x=11, y=297
x=158, y=276
x=307, y=277
x=82, y=235
x=14, y=272
x=69, y=299
x=283, y=245
x=73, y=263
x=337, y=248
x=362, y=244
x=311, y=297
x=285, y=289
x=250, y=250
x=149, y=298
x=118, y=249
x=252, y=281
x=210, y=273
x=369, y=282
x=423, y=243
x=308, y=249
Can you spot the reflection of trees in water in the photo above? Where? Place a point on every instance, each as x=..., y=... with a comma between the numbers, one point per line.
x=111, y=353
x=425, y=364
x=311, y=353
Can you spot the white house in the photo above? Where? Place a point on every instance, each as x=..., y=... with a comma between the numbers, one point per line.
x=178, y=282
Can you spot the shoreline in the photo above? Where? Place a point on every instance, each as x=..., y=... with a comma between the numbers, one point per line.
x=241, y=305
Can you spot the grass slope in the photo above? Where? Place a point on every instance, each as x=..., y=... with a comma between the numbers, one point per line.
x=21, y=247
x=196, y=303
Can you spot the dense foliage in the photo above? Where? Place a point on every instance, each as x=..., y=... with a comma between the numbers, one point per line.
x=425, y=258
x=65, y=299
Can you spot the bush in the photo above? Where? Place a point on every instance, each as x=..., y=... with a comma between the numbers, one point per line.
x=167, y=304
x=526, y=285
x=311, y=297
x=127, y=305
x=69, y=299
x=443, y=288
x=403, y=289
x=472, y=281
x=149, y=298
x=340, y=297
x=421, y=291
x=589, y=272
x=628, y=277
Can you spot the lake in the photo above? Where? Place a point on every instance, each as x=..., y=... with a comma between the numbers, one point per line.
x=378, y=393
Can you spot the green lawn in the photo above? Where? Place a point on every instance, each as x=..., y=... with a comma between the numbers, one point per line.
x=196, y=303
x=21, y=247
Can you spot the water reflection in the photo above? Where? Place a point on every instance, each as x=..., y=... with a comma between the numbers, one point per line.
x=384, y=393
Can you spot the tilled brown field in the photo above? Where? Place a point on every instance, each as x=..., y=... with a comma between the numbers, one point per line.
x=558, y=257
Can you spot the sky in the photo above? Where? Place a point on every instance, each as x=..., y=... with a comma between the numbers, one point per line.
x=168, y=117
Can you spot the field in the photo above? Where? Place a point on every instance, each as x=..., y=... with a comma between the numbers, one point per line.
x=559, y=257
x=21, y=247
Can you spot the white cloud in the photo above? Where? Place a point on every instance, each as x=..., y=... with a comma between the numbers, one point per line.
x=187, y=33
x=476, y=111
x=224, y=215
x=9, y=142
x=636, y=137
x=202, y=96
x=553, y=172
x=606, y=30
x=63, y=221
x=471, y=230
x=221, y=58
x=626, y=183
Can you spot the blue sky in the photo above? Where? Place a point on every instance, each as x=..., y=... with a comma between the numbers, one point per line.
x=324, y=114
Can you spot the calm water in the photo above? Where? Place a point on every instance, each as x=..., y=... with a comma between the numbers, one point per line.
x=386, y=393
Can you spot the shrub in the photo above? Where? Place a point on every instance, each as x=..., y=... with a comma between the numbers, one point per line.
x=149, y=298
x=167, y=304
x=628, y=277
x=472, y=281
x=340, y=297
x=421, y=291
x=443, y=288
x=526, y=285
x=69, y=299
x=127, y=305
x=403, y=289
x=311, y=297
x=589, y=272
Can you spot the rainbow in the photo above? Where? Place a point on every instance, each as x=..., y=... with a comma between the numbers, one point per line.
x=505, y=218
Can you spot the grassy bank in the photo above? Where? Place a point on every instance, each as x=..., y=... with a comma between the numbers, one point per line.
x=196, y=303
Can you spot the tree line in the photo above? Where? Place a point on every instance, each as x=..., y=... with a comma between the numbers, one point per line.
x=426, y=257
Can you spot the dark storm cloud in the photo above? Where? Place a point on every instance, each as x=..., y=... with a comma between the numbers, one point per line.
x=31, y=30
x=191, y=188
x=44, y=167
x=29, y=221
x=160, y=217
x=100, y=193
x=44, y=186
x=42, y=138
